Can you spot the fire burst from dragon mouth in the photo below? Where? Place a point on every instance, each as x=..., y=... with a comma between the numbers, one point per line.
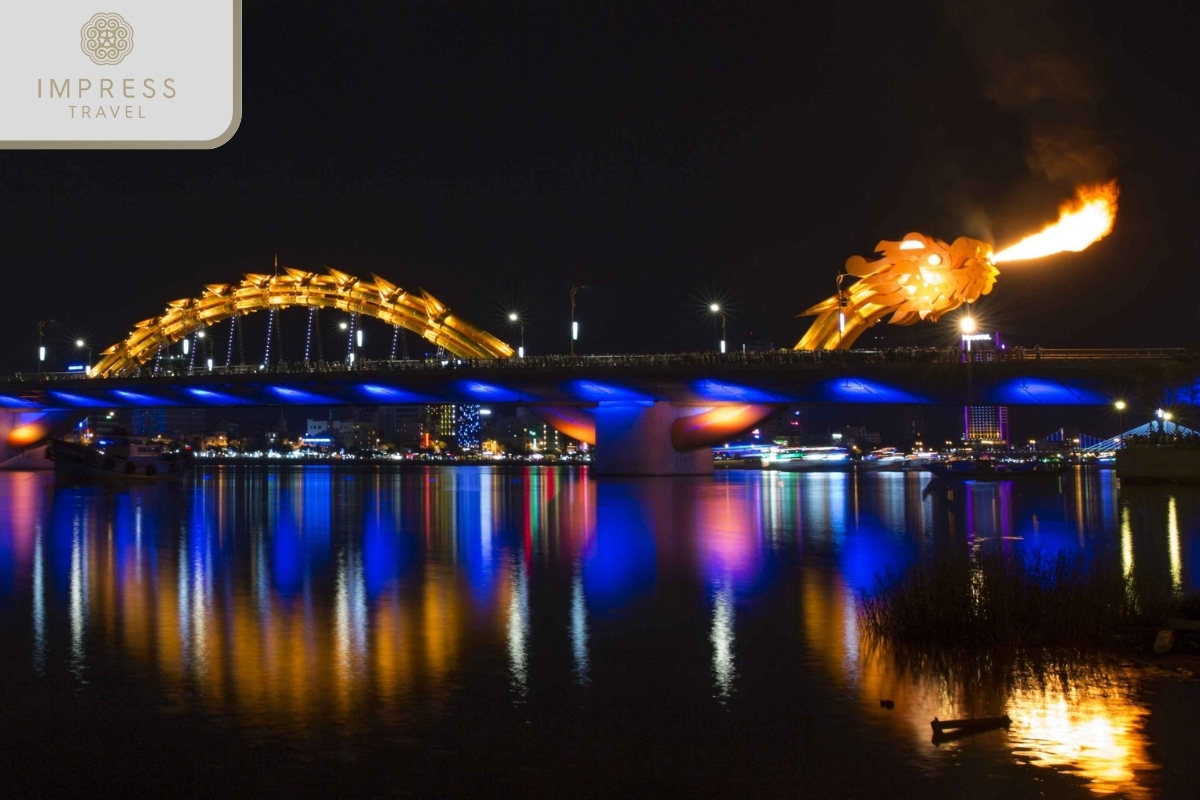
x=921, y=277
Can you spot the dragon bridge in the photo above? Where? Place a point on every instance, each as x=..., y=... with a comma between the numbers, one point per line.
x=421, y=313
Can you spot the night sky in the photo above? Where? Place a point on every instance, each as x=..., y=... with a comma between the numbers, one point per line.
x=664, y=158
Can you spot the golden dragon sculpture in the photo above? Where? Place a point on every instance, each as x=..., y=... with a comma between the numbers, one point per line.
x=917, y=278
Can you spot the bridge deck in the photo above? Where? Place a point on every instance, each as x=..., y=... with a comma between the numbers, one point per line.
x=919, y=376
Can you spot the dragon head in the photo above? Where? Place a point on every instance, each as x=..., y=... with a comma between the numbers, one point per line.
x=916, y=278
x=920, y=277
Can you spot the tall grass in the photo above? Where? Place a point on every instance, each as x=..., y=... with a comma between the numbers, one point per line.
x=1015, y=599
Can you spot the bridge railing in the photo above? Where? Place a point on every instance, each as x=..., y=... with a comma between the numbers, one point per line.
x=909, y=355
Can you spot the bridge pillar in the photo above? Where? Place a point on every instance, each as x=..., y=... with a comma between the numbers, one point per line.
x=24, y=435
x=634, y=438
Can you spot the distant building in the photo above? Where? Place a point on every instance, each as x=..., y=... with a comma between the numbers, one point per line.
x=985, y=424
x=468, y=427
x=912, y=425
x=441, y=425
x=176, y=423
x=402, y=426
x=339, y=433
x=856, y=436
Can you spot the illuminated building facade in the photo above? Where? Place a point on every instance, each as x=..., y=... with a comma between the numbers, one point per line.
x=985, y=424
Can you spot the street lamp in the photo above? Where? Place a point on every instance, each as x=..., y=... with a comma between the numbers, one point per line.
x=1120, y=407
x=967, y=326
x=41, y=348
x=515, y=318
x=716, y=309
x=574, y=325
x=80, y=343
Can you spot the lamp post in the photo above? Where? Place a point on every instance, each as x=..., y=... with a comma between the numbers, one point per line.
x=515, y=318
x=716, y=309
x=967, y=326
x=574, y=324
x=80, y=343
x=344, y=326
x=42, y=348
x=1120, y=407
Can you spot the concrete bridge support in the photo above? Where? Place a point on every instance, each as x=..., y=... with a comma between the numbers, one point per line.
x=645, y=437
x=24, y=435
x=635, y=439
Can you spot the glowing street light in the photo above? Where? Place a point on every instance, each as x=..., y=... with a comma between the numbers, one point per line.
x=967, y=326
x=343, y=325
x=716, y=309
x=515, y=318
x=1120, y=407
x=81, y=344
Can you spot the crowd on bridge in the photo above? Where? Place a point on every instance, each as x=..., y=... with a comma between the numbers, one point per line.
x=782, y=357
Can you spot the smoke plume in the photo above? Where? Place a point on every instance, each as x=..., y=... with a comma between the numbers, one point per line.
x=1028, y=69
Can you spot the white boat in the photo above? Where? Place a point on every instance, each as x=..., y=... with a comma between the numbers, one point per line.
x=119, y=457
x=809, y=459
x=921, y=461
x=886, y=459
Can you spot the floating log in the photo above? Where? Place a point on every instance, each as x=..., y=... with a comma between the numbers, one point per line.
x=944, y=725
x=951, y=729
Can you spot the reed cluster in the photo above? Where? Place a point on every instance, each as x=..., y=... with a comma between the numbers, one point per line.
x=1018, y=598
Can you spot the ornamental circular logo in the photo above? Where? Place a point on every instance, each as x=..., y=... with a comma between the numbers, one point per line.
x=107, y=38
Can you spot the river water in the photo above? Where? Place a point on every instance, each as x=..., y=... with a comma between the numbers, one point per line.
x=450, y=631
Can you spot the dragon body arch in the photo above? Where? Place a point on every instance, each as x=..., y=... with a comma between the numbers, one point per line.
x=421, y=313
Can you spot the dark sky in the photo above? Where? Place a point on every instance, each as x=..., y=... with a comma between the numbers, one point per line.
x=663, y=157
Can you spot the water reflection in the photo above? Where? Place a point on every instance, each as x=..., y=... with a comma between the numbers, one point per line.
x=316, y=598
x=722, y=639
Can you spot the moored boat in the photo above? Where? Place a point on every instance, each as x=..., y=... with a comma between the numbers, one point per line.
x=809, y=459
x=120, y=457
x=994, y=469
x=887, y=459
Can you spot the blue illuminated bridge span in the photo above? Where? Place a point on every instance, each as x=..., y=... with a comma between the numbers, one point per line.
x=681, y=402
x=902, y=376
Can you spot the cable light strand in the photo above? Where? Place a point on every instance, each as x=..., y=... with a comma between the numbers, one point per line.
x=229, y=353
x=350, y=338
x=308, y=335
x=270, y=328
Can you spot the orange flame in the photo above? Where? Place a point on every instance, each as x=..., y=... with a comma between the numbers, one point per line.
x=1086, y=219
